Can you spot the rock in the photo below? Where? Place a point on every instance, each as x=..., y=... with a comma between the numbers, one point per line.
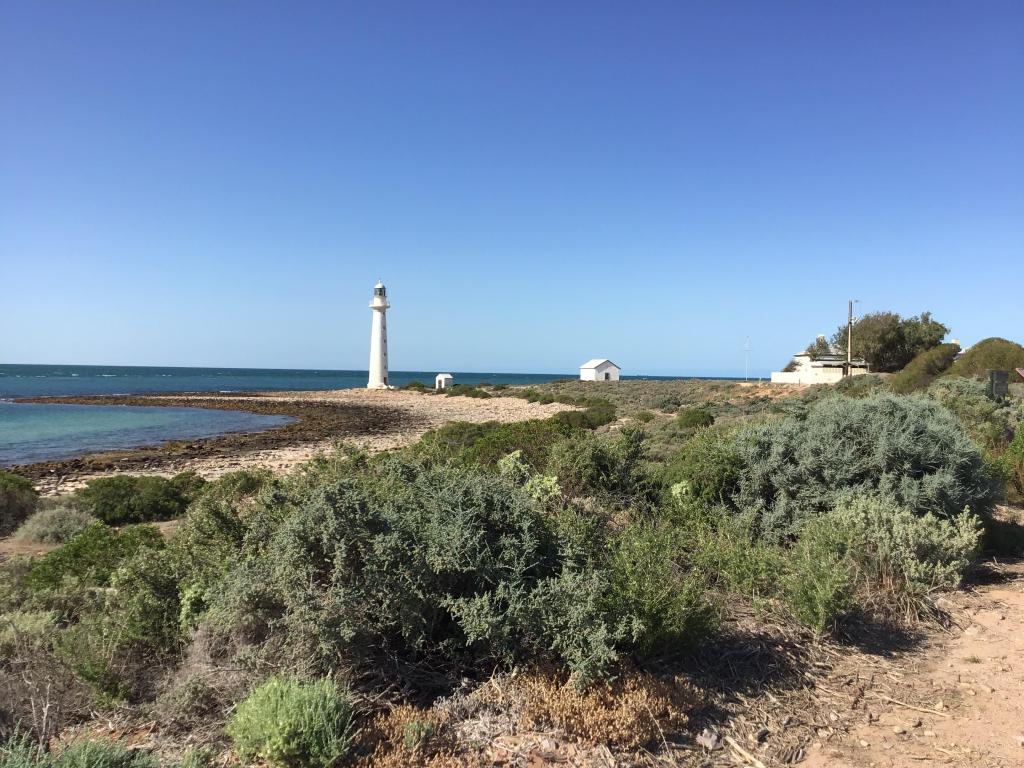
x=709, y=739
x=898, y=729
x=929, y=733
x=864, y=743
x=1020, y=739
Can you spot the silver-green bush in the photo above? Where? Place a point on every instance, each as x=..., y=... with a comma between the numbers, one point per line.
x=54, y=525
x=909, y=448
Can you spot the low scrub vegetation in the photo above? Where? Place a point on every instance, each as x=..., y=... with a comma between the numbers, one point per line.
x=924, y=369
x=988, y=355
x=125, y=499
x=289, y=724
x=54, y=524
x=564, y=548
x=18, y=499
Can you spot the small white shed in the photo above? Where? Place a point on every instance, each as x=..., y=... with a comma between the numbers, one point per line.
x=599, y=370
x=443, y=381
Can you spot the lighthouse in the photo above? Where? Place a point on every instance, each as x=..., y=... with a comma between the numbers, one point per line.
x=379, y=339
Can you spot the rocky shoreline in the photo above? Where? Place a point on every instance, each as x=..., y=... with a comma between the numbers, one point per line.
x=372, y=420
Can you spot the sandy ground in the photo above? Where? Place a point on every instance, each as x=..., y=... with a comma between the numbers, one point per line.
x=374, y=420
x=956, y=700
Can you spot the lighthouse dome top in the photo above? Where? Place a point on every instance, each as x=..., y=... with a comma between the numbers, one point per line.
x=379, y=289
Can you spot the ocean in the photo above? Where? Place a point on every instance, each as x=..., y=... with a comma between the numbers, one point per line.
x=32, y=432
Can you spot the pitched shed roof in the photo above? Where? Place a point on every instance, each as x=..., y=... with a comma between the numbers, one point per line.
x=598, y=362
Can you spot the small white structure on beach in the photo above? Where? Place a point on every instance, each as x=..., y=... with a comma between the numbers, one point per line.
x=822, y=369
x=379, y=339
x=443, y=381
x=599, y=370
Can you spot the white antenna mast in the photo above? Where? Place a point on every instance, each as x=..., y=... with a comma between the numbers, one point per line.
x=746, y=359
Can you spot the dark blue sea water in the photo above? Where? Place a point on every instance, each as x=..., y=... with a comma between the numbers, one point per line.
x=36, y=380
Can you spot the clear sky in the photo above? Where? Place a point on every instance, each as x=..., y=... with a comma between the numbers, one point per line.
x=538, y=183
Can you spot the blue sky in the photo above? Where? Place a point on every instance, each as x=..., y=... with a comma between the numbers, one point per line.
x=538, y=183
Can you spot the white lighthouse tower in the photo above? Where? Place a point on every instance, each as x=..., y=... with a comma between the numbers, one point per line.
x=379, y=339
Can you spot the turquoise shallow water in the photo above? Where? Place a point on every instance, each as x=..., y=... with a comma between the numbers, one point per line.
x=31, y=432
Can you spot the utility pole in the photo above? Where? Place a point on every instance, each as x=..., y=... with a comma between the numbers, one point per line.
x=849, y=337
x=746, y=360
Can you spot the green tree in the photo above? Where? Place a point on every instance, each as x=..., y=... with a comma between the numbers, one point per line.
x=819, y=347
x=888, y=342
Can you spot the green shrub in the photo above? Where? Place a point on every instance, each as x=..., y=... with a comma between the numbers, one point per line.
x=18, y=499
x=486, y=444
x=667, y=600
x=643, y=417
x=992, y=354
x=610, y=466
x=19, y=752
x=1012, y=462
x=914, y=554
x=872, y=552
x=414, y=385
x=706, y=467
x=291, y=724
x=102, y=754
x=923, y=369
x=695, y=418
x=989, y=424
x=465, y=390
x=91, y=556
x=53, y=525
x=906, y=447
x=817, y=583
x=124, y=499
x=424, y=566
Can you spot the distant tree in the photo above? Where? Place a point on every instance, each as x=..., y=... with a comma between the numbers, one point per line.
x=888, y=342
x=818, y=348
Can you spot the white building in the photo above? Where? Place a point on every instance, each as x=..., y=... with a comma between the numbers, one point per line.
x=379, y=339
x=823, y=369
x=599, y=370
x=443, y=381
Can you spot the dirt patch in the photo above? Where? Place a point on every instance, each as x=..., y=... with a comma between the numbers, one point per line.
x=374, y=420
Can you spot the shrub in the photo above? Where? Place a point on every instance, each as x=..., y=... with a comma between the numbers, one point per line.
x=989, y=424
x=291, y=724
x=415, y=384
x=465, y=390
x=923, y=369
x=643, y=417
x=91, y=556
x=695, y=418
x=988, y=355
x=590, y=464
x=817, y=582
x=667, y=600
x=486, y=444
x=18, y=752
x=890, y=557
x=53, y=525
x=706, y=467
x=421, y=565
x=18, y=500
x=124, y=499
x=906, y=447
x=1012, y=461
x=102, y=754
